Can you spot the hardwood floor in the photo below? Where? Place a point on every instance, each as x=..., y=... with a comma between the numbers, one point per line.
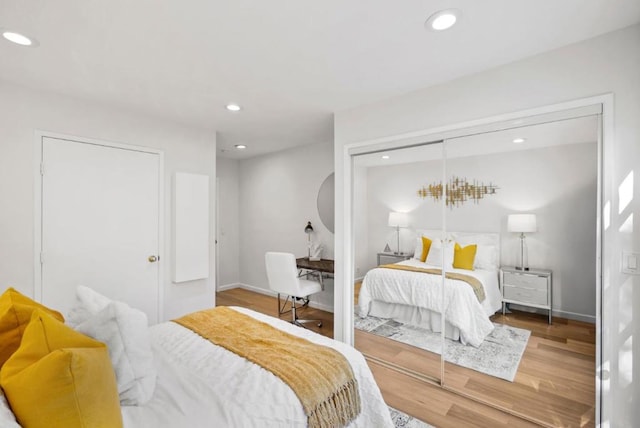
x=555, y=382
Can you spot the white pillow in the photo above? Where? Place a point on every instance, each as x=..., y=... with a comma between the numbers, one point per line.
x=435, y=253
x=486, y=257
x=417, y=253
x=125, y=332
x=88, y=302
x=7, y=418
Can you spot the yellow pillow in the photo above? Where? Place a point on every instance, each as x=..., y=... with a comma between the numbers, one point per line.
x=15, y=314
x=60, y=378
x=426, y=246
x=463, y=257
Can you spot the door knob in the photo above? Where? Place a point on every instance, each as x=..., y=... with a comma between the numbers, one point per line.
x=153, y=259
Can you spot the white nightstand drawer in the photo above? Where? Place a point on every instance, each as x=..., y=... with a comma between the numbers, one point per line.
x=526, y=295
x=525, y=281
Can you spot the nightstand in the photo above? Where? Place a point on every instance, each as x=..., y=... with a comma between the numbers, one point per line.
x=386, y=258
x=528, y=288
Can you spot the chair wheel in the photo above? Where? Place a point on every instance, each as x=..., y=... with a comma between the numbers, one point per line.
x=320, y=324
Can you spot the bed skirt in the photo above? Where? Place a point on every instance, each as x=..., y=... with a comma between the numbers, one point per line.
x=413, y=315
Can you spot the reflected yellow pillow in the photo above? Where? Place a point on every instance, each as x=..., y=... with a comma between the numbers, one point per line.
x=15, y=314
x=463, y=258
x=60, y=378
x=426, y=246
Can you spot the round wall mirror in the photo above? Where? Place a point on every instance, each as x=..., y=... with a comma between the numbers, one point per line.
x=326, y=202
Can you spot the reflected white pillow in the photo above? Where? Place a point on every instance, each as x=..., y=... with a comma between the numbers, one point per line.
x=417, y=253
x=125, y=332
x=486, y=257
x=436, y=253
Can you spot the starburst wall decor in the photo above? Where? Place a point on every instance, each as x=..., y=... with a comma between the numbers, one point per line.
x=458, y=191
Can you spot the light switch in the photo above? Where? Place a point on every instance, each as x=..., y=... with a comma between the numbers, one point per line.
x=630, y=262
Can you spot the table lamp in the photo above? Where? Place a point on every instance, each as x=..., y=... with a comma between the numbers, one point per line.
x=398, y=220
x=308, y=229
x=522, y=223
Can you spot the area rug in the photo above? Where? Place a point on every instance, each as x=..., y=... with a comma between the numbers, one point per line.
x=499, y=355
x=402, y=420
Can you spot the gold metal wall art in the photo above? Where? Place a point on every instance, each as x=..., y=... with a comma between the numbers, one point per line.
x=458, y=191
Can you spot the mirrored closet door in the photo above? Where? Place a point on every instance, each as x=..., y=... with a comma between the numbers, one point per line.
x=523, y=221
x=398, y=246
x=475, y=263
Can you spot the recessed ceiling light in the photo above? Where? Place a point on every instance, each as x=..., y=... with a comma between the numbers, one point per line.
x=240, y=146
x=443, y=19
x=19, y=39
x=519, y=140
x=385, y=156
x=233, y=107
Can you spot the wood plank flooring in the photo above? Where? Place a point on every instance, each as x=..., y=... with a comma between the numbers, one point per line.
x=555, y=382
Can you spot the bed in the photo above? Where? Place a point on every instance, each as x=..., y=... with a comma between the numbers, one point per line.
x=198, y=384
x=414, y=297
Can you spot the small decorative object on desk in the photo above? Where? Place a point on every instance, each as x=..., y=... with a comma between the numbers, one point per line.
x=315, y=252
x=387, y=249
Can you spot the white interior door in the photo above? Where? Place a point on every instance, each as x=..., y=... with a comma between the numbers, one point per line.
x=100, y=224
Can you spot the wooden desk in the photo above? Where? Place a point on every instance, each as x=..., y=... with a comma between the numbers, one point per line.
x=323, y=268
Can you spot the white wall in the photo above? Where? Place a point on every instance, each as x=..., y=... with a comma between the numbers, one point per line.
x=278, y=195
x=563, y=198
x=609, y=63
x=23, y=111
x=228, y=247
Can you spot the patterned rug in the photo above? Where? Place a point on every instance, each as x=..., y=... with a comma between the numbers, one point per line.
x=499, y=355
x=402, y=420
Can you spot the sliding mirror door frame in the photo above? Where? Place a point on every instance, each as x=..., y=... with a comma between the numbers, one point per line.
x=379, y=190
x=603, y=104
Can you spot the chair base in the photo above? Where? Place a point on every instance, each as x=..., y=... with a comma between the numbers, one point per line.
x=300, y=323
x=282, y=306
x=294, y=316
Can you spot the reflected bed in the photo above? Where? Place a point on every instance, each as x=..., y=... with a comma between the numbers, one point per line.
x=415, y=297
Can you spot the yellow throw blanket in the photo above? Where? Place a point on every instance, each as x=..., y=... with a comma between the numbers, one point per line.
x=320, y=376
x=475, y=284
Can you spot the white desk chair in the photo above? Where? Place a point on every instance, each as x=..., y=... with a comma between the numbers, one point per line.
x=283, y=279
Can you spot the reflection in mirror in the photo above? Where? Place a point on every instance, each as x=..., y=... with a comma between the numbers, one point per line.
x=540, y=366
x=326, y=202
x=398, y=290
x=537, y=364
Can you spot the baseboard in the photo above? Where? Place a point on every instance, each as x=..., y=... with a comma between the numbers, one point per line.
x=227, y=286
x=271, y=293
x=574, y=316
x=556, y=313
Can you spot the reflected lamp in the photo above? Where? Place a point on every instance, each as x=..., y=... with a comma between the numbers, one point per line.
x=398, y=220
x=522, y=223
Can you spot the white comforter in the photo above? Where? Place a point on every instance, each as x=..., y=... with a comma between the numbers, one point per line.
x=461, y=306
x=203, y=385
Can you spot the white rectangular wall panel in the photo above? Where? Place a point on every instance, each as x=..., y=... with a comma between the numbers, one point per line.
x=190, y=227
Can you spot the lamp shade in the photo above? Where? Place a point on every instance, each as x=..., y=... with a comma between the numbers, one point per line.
x=522, y=223
x=398, y=219
x=308, y=228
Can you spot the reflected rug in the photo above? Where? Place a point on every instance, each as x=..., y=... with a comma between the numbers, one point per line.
x=402, y=420
x=499, y=355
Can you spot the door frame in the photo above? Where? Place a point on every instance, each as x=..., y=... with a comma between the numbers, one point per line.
x=344, y=297
x=37, y=192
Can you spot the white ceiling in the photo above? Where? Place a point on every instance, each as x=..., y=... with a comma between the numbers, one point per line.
x=289, y=63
